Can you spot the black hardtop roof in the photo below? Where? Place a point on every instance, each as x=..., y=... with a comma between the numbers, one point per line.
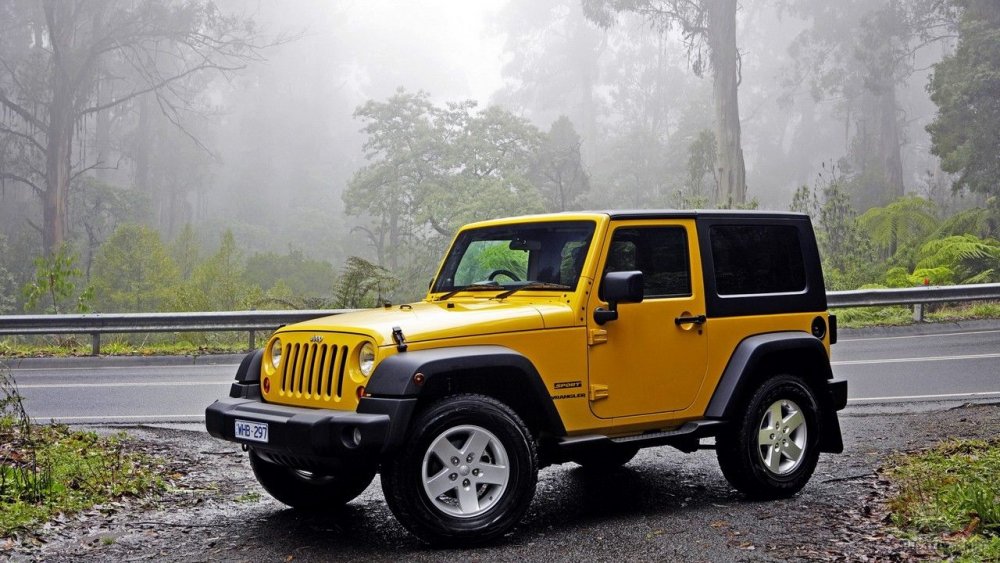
x=696, y=213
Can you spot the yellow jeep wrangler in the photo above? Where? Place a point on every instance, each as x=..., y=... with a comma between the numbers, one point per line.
x=574, y=337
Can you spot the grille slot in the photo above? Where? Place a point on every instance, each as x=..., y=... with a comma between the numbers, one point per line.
x=340, y=378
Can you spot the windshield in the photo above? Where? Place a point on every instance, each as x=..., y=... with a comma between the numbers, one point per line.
x=545, y=256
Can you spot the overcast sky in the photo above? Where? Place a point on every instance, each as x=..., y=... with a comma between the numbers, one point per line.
x=442, y=46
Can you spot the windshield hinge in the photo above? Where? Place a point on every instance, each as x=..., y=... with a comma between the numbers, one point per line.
x=399, y=339
x=597, y=336
x=598, y=392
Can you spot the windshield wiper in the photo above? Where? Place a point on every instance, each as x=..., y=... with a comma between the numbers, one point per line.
x=532, y=285
x=472, y=287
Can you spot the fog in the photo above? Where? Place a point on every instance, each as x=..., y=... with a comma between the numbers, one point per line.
x=270, y=149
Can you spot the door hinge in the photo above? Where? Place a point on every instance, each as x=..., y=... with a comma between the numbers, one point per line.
x=597, y=336
x=598, y=392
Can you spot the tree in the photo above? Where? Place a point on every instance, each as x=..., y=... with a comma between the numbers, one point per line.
x=966, y=88
x=133, y=272
x=705, y=24
x=300, y=279
x=558, y=170
x=858, y=53
x=217, y=283
x=553, y=65
x=57, y=281
x=432, y=169
x=56, y=56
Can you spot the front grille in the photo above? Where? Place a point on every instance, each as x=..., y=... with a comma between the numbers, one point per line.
x=313, y=371
x=317, y=370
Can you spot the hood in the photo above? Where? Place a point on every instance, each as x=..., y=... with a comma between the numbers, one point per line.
x=447, y=319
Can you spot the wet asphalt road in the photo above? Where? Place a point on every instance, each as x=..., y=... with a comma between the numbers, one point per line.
x=935, y=362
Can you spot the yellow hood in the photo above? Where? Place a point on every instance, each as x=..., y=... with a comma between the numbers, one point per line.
x=448, y=319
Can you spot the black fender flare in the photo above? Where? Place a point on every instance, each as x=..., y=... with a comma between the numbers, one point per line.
x=247, y=384
x=750, y=361
x=393, y=389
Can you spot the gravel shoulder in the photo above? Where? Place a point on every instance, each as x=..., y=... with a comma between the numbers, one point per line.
x=662, y=505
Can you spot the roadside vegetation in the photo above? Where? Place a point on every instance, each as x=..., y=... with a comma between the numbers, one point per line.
x=48, y=470
x=949, y=496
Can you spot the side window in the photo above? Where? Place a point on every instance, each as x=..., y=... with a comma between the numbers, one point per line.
x=661, y=253
x=754, y=259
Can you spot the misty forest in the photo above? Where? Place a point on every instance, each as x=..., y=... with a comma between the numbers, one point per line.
x=188, y=155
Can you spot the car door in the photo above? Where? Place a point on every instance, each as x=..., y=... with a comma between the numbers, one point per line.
x=653, y=357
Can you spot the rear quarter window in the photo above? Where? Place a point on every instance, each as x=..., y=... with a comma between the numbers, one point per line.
x=756, y=259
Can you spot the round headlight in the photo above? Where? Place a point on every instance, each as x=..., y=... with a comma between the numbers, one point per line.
x=366, y=359
x=276, y=352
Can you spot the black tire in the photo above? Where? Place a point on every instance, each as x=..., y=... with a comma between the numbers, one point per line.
x=777, y=464
x=303, y=490
x=476, y=499
x=604, y=458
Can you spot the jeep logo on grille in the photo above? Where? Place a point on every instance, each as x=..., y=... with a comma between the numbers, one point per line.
x=316, y=339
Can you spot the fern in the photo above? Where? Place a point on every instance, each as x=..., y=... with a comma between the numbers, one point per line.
x=363, y=284
x=902, y=224
x=973, y=260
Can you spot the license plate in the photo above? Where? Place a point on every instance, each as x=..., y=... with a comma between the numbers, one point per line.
x=253, y=431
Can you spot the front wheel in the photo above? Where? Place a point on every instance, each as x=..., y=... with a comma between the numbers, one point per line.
x=467, y=473
x=305, y=490
x=772, y=447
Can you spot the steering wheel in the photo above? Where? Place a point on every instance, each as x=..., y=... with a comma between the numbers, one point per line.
x=503, y=272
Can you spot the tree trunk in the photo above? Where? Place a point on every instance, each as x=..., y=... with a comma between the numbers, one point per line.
x=59, y=134
x=725, y=64
x=889, y=145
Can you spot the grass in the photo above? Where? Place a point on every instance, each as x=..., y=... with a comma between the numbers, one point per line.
x=21, y=347
x=950, y=496
x=860, y=317
x=47, y=470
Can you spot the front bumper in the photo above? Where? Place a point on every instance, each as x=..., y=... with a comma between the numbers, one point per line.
x=301, y=437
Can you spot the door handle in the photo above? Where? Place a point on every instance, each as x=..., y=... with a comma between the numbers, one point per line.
x=698, y=320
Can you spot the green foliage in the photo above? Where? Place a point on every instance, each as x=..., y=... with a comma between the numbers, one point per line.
x=217, y=284
x=966, y=132
x=290, y=278
x=951, y=491
x=46, y=470
x=186, y=252
x=984, y=222
x=7, y=284
x=133, y=272
x=363, y=284
x=969, y=258
x=56, y=284
x=901, y=225
x=847, y=256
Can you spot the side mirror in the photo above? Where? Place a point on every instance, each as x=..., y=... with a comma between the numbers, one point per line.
x=619, y=287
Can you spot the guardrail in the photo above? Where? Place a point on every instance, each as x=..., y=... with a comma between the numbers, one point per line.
x=96, y=324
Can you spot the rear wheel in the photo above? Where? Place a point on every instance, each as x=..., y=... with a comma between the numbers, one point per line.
x=467, y=472
x=305, y=490
x=771, y=449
